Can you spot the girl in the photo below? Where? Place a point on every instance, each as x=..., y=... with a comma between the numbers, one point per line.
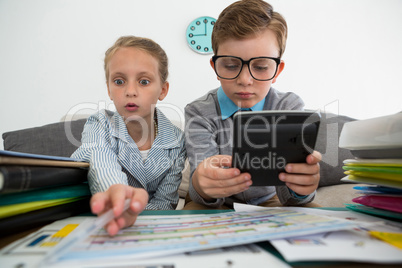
x=135, y=148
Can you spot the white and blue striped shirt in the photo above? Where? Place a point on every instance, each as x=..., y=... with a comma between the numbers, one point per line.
x=115, y=158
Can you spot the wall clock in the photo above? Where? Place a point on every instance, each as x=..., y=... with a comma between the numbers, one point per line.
x=199, y=33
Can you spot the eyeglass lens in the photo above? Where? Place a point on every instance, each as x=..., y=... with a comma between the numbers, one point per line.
x=260, y=68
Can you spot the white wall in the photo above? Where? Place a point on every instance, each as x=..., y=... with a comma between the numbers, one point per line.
x=342, y=55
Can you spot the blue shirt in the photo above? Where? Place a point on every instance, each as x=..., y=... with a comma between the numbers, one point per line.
x=228, y=108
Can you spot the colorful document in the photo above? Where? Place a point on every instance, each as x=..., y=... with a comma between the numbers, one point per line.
x=151, y=237
x=347, y=245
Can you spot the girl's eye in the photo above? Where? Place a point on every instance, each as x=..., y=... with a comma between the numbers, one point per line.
x=144, y=82
x=119, y=82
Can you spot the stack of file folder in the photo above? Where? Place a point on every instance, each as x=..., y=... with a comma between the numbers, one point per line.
x=37, y=189
x=377, y=145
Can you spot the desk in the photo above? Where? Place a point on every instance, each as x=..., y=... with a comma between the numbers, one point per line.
x=266, y=245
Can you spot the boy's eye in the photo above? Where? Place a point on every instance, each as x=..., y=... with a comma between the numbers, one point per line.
x=119, y=82
x=144, y=82
x=229, y=64
x=232, y=66
x=260, y=68
x=263, y=65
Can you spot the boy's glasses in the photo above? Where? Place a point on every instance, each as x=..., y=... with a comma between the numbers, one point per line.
x=260, y=68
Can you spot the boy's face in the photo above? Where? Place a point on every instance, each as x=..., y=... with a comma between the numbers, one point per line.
x=134, y=83
x=244, y=90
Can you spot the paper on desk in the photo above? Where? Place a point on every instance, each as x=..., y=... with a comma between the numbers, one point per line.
x=338, y=246
x=29, y=251
x=240, y=256
x=360, y=218
x=161, y=236
x=394, y=239
x=356, y=245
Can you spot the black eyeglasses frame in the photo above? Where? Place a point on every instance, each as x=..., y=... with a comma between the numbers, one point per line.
x=247, y=62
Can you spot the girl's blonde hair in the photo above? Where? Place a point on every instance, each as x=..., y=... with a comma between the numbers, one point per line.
x=144, y=44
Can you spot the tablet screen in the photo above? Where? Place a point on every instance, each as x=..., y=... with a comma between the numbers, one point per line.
x=264, y=142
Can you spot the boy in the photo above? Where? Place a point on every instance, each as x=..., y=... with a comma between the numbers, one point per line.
x=248, y=40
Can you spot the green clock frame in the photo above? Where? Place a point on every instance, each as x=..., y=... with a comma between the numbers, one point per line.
x=199, y=33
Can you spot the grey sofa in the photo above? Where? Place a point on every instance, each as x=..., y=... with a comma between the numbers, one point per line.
x=62, y=138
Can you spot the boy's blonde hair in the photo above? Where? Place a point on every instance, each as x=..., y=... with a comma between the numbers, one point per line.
x=144, y=44
x=248, y=17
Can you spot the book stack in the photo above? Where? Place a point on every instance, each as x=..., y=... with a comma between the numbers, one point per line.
x=377, y=146
x=38, y=189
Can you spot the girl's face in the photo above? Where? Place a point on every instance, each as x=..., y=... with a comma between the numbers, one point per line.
x=134, y=84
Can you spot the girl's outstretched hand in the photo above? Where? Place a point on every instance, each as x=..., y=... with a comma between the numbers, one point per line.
x=114, y=198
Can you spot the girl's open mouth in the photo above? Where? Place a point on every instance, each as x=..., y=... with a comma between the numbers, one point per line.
x=131, y=107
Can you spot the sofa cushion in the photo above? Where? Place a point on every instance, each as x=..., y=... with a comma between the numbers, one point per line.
x=185, y=180
x=331, y=171
x=337, y=195
x=63, y=138
x=58, y=139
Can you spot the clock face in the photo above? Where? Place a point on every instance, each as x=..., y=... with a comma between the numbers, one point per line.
x=199, y=33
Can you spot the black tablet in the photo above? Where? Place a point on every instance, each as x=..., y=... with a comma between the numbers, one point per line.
x=264, y=142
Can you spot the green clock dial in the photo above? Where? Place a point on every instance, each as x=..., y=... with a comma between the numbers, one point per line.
x=199, y=33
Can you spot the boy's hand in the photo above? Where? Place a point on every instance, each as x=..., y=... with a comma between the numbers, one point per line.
x=215, y=178
x=114, y=198
x=303, y=178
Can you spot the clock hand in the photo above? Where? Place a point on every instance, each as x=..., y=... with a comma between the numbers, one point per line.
x=205, y=28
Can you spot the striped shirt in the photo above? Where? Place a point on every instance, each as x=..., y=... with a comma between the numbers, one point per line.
x=115, y=158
